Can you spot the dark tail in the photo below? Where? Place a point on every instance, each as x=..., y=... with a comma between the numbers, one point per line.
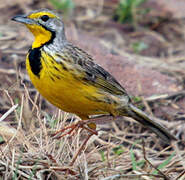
x=147, y=121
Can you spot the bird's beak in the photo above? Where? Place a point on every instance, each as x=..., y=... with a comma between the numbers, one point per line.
x=23, y=19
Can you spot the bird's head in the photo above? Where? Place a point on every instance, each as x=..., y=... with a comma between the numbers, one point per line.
x=44, y=25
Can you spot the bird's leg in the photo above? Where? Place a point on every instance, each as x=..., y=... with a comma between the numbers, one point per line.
x=80, y=149
x=88, y=124
x=74, y=127
x=69, y=129
x=91, y=128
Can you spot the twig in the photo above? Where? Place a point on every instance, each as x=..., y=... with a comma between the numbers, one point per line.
x=7, y=71
x=180, y=175
x=130, y=176
x=17, y=170
x=176, y=95
x=8, y=112
x=147, y=106
x=144, y=154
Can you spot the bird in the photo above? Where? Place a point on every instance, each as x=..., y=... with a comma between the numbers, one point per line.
x=70, y=79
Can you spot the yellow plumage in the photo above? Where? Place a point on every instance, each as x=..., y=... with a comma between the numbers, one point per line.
x=57, y=86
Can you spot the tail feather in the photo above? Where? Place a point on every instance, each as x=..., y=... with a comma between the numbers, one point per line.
x=147, y=121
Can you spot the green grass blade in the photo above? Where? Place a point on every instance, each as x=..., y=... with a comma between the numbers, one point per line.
x=165, y=163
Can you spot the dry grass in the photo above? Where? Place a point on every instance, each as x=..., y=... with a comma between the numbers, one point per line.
x=28, y=150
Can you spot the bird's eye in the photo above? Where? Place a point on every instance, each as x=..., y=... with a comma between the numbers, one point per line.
x=45, y=18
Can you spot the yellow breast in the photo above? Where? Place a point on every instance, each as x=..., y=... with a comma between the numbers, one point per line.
x=62, y=89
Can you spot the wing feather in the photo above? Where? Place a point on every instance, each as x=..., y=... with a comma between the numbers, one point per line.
x=91, y=72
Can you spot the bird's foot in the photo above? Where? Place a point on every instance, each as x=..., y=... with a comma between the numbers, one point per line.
x=73, y=128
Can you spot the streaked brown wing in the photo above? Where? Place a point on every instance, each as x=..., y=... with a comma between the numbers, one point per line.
x=94, y=74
